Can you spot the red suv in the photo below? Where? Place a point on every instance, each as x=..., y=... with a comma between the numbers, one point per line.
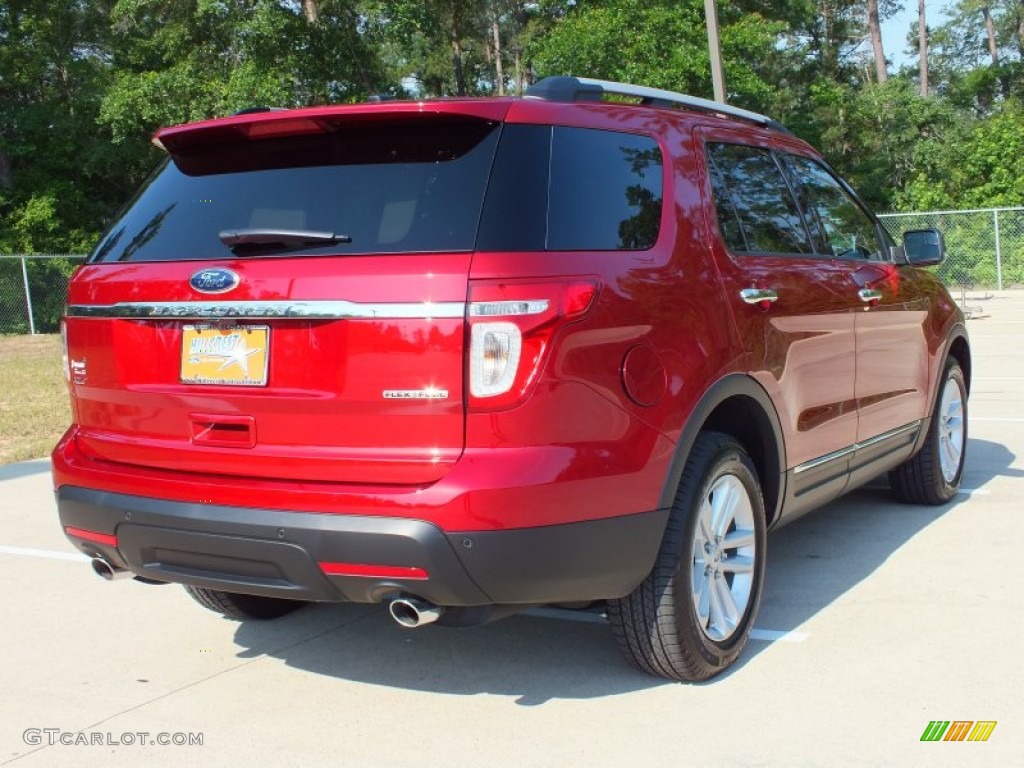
x=468, y=356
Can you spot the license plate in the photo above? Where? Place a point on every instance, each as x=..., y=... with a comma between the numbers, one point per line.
x=235, y=357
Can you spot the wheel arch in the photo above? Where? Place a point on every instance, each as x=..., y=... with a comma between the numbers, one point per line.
x=957, y=346
x=738, y=406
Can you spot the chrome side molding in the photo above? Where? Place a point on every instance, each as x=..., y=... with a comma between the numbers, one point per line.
x=807, y=465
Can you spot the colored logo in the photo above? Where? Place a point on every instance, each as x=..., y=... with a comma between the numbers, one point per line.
x=958, y=730
x=215, y=280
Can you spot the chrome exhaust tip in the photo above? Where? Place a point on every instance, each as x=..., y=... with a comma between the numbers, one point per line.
x=109, y=572
x=413, y=612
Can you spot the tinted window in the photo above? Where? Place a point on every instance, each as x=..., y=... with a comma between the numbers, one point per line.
x=402, y=186
x=847, y=230
x=605, y=191
x=753, y=202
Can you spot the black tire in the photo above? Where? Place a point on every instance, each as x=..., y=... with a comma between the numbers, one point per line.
x=657, y=626
x=238, y=606
x=921, y=479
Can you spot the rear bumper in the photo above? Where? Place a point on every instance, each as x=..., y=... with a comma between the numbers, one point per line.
x=315, y=556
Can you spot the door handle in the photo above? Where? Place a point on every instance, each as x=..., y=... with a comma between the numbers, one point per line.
x=870, y=296
x=762, y=297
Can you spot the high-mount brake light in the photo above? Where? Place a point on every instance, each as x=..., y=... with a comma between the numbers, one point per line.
x=274, y=128
x=511, y=326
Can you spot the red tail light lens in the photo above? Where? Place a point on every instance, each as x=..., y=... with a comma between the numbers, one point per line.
x=511, y=326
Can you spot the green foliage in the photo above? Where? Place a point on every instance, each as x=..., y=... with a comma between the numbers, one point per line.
x=182, y=60
x=84, y=83
x=663, y=45
x=978, y=163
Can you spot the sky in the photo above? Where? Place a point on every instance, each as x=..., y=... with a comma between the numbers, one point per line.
x=896, y=29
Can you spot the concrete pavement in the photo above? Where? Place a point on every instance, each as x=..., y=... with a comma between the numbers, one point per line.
x=879, y=619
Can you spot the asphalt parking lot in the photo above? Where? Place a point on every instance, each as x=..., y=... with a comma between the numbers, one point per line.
x=877, y=619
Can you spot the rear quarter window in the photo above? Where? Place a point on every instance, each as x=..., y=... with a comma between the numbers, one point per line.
x=605, y=191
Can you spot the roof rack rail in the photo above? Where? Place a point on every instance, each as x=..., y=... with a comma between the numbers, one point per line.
x=569, y=89
x=256, y=110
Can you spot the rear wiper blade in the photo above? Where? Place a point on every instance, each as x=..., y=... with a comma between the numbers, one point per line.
x=264, y=238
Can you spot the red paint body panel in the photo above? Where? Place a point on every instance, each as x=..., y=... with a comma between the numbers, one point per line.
x=578, y=447
x=321, y=415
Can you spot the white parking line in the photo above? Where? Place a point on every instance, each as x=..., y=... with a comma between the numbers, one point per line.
x=996, y=418
x=997, y=378
x=974, y=492
x=49, y=554
x=592, y=617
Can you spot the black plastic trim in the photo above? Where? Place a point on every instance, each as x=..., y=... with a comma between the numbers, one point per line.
x=593, y=560
x=276, y=553
x=957, y=332
x=880, y=456
x=733, y=385
x=268, y=552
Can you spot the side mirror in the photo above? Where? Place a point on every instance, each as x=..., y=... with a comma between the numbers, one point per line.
x=924, y=247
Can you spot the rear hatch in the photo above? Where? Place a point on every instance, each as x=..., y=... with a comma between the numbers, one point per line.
x=285, y=298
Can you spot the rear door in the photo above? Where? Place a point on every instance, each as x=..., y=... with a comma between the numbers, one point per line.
x=793, y=308
x=286, y=298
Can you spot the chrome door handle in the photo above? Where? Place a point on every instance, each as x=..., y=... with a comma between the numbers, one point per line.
x=869, y=295
x=762, y=296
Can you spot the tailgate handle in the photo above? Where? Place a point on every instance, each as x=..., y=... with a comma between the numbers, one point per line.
x=222, y=431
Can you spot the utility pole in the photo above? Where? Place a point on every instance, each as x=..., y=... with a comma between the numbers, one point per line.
x=922, y=45
x=715, y=50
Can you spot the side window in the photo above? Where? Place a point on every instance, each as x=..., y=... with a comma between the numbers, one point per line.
x=755, y=207
x=846, y=228
x=605, y=191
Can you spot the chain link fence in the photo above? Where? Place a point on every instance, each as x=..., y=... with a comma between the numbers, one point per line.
x=984, y=247
x=33, y=290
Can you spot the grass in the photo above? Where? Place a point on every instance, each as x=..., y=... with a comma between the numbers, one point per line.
x=34, y=409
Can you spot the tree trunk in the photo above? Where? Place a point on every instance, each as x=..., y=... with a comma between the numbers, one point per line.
x=499, y=70
x=875, y=31
x=828, y=47
x=922, y=44
x=6, y=178
x=990, y=31
x=311, y=10
x=517, y=57
x=460, y=76
x=1020, y=28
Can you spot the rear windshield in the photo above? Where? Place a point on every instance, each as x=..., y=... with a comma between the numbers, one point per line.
x=408, y=186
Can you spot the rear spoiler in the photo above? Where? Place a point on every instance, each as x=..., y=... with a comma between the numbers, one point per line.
x=254, y=126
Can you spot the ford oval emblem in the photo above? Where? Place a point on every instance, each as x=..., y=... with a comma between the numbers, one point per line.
x=216, y=280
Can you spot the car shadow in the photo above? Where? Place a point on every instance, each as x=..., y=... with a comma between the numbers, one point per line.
x=24, y=469
x=822, y=555
x=535, y=660
x=811, y=563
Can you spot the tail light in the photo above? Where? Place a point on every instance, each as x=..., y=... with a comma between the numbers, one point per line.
x=65, y=360
x=511, y=326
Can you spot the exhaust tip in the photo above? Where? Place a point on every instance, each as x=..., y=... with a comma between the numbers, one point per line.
x=107, y=571
x=410, y=612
